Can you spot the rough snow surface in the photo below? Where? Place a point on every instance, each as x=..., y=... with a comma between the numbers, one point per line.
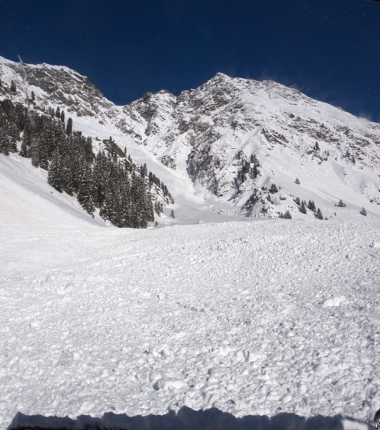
x=256, y=317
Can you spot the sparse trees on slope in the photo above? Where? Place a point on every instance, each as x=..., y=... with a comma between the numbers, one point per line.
x=286, y=215
x=302, y=208
x=311, y=205
x=273, y=189
x=319, y=214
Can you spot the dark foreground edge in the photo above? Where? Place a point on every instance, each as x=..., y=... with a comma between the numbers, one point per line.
x=188, y=419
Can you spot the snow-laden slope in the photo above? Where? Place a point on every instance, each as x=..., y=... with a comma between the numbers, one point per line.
x=252, y=317
x=26, y=200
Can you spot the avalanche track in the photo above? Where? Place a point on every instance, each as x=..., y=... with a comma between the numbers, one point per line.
x=256, y=317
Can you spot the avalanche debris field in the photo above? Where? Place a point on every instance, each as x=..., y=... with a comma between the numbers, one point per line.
x=254, y=317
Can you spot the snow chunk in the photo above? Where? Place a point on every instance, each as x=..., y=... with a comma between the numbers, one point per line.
x=167, y=384
x=350, y=424
x=335, y=301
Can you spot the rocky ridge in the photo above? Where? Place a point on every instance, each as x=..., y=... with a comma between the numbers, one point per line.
x=57, y=86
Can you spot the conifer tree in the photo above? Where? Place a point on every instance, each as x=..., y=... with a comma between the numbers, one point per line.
x=13, y=135
x=4, y=141
x=286, y=215
x=34, y=139
x=311, y=205
x=69, y=126
x=54, y=172
x=85, y=194
x=273, y=189
x=43, y=156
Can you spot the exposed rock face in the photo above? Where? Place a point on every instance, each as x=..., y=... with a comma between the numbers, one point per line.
x=59, y=86
x=72, y=90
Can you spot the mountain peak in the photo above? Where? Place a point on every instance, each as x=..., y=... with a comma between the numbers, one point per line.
x=219, y=78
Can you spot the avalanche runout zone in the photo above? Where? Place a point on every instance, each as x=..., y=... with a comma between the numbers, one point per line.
x=251, y=317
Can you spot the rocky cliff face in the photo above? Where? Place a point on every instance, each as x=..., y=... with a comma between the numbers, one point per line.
x=58, y=86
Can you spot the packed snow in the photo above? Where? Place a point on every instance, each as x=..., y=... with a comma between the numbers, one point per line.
x=251, y=317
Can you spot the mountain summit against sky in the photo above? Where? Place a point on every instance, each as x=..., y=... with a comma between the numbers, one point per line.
x=238, y=140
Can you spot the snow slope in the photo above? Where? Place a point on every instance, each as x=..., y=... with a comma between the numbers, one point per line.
x=253, y=317
x=28, y=201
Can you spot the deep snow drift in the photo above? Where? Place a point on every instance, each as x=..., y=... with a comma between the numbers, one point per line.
x=255, y=317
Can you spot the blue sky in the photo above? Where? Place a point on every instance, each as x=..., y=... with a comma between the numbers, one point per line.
x=328, y=49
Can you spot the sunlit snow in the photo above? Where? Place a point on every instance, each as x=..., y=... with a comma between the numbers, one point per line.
x=252, y=317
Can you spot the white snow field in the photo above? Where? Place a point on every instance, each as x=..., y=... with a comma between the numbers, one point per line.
x=252, y=317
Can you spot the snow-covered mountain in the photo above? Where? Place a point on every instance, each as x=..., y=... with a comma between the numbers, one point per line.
x=215, y=131
x=233, y=138
x=256, y=317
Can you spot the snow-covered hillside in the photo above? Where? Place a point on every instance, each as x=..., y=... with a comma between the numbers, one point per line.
x=253, y=317
x=230, y=140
